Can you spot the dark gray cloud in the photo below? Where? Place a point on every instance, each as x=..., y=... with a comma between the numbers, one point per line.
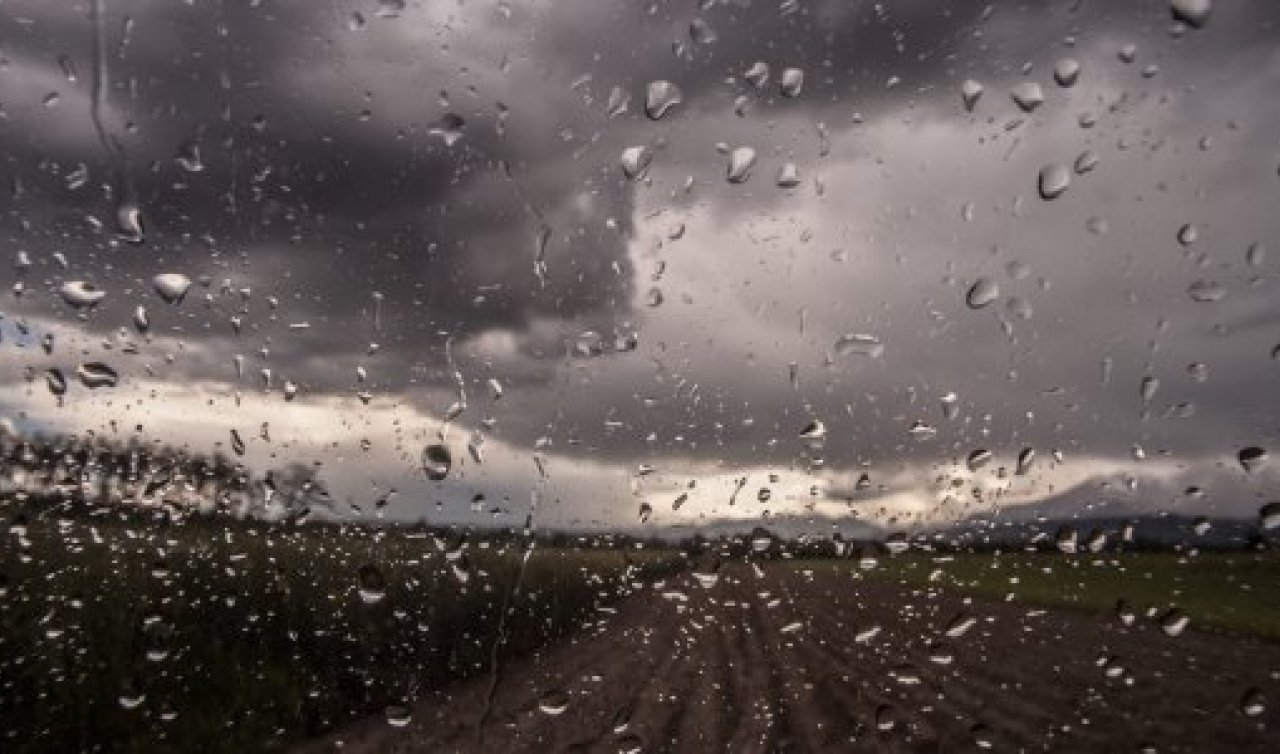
x=324, y=187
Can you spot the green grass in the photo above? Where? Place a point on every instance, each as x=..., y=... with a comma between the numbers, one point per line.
x=257, y=637
x=1226, y=592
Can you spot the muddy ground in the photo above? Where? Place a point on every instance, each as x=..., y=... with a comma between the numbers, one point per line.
x=780, y=660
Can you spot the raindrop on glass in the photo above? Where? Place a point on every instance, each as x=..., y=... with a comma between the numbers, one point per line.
x=660, y=97
x=982, y=293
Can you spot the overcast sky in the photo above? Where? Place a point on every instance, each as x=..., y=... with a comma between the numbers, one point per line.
x=435, y=193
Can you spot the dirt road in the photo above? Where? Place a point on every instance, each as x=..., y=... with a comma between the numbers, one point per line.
x=783, y=661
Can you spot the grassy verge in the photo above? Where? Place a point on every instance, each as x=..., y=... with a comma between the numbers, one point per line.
x=1225, y=592
x=120, y=635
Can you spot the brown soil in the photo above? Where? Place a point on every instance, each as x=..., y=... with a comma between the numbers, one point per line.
x=728, y=671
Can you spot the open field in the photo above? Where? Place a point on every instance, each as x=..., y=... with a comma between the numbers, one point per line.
x=121, y=634
x=801, y=659
x=1234, y=593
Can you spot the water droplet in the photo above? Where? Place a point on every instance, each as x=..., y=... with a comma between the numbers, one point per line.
x=758, y=74
x=1206, y=291
x=188, y=157
x=1128, y=53
x=172, y=286
x=741, y=160
x=1053, y=180
x=1020, y=308
x=982, y=293
x=619, y=102
x=960, y=625
x=858, y=345
x=1024, y=461
x=1086, y=162
x=56, y=381
x=1269, y=516
x=1251, y=458
x=791, y=82
x=1066, y=72
x=635, y=160
x=80, y=294
x=449, y=128
x=129, y=222
x=788, y=176
x=654, y=298
x=1027, y=96
x=95, y=374
x=1192, y=12
x=1147, y=389
x=978, y=458
x=660, y=97
x=141, y=322
x=970, y=93
x=701, y=32
x=950, y=405
x=1173, y=622
x=1256, y=254
x=371, y=584
x=436, y=462
x=398, y=715
x=885, y=718
x=921, y=430
x=1252, y=703
x=1188, y=234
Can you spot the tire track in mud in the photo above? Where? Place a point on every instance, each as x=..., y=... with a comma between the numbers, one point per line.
x=767, y=661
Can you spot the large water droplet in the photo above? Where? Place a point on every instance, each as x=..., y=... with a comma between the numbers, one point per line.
x=978, y=458
x=758, y=74
x=1028, y=96
x=1053, y=180
x=741, y=160
x=129, y=222
x=1251, y=458
x=1025, y=459
x=1066, y=72
x=635, y=160
x=1252, y=703
x=80, y=294
x=1173, y=622
x=398, y=715
x=1192, y=12
x=448, y=128
x=1085, y=162
x=1206, y=291
x=858, y=345
x=791, y=82
x=660, y=97
x=788, y=176
x=553, y=702
x=982, y=293
x=95, y=374
x=970, y=93
x=1269, y=516
x=56, y=381
x=436, y=462
x=371, y=584
x=172, y=286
